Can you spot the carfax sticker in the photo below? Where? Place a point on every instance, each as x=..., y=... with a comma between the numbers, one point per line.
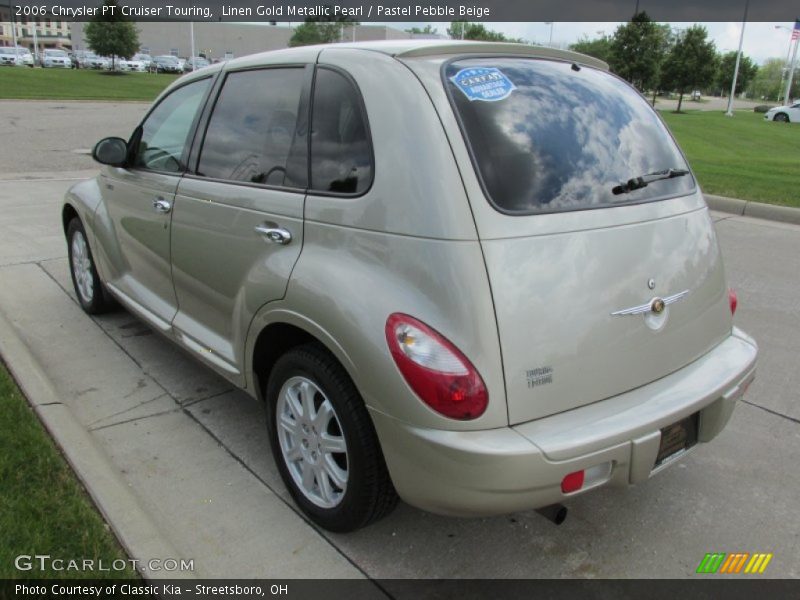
x=483, y=83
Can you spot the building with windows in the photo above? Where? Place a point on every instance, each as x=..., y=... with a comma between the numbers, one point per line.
x=214, y=40
x=35, y=34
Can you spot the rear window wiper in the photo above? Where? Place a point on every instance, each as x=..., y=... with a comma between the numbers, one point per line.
x=638, y=183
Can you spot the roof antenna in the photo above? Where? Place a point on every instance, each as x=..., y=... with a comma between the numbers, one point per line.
x=575, y=67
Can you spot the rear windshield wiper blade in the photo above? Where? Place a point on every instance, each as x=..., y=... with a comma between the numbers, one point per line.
x=638, y=183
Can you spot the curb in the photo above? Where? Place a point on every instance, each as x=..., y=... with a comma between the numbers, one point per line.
x=136, y=532
x=758, y=210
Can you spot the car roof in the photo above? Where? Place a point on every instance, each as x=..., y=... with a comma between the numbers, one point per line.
x=431, y=48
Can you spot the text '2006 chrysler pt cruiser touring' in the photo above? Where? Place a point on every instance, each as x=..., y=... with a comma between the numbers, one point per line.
x=480, y=277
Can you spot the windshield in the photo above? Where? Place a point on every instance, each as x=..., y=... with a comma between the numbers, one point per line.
x=55, y=53
x=170, y=59
x=547, y=136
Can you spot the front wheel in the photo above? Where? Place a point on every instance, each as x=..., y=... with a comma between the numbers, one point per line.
x=88, y=287
x=781, y=118
x=324, y=443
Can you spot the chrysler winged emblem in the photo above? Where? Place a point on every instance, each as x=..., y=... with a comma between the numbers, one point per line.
x=655, y=306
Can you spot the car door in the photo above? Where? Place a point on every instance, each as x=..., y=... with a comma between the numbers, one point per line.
x=794, y=114
x=138, y=200
x=237, y=226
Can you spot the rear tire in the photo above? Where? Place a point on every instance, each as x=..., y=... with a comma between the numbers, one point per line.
x=324, y=443
x=92, y=296
x=781, y=118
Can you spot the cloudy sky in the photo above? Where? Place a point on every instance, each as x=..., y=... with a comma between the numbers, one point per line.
x=761, y=40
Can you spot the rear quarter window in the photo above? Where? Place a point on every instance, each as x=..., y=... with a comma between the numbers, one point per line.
x=341, y=150
x=547, y=136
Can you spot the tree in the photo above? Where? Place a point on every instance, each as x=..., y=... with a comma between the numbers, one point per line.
x=691, y=63
x=599, y=47
x=112, y=34
x=320, y=30
x=727, y=65
x=464, y=30
x=428, y=30
x=768, y=81
x=637, y=50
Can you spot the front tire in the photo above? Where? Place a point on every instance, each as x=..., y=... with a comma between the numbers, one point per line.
x=781, y=118
x=88, y=288
x=324, y=443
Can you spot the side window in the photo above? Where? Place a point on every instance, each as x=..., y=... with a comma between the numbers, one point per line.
x=253, y=128
x=341, y=154
x=165, y=130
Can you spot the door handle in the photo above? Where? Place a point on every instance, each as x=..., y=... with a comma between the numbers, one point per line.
x=161, y=205
x=275, y=234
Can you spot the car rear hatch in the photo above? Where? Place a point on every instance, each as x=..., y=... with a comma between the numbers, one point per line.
x=597, y=290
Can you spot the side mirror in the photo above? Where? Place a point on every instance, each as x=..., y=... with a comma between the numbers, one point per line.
x=111, y=151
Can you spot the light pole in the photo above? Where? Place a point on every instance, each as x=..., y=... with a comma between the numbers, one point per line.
x=191, y=36
x=551, y=23
x=792, y=67
x=788, y=58
x=729, y=112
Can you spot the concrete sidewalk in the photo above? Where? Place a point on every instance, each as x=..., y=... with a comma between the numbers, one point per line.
x=180, y=465
x=130, y=419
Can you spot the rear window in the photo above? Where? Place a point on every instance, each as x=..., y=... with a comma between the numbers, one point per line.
x=547, y=136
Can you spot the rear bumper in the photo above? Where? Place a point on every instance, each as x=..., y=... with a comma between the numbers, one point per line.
x=474, y=473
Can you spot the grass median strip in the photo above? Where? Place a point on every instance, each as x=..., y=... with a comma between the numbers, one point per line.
x=44, y=509
x=80, y=84
x=741, y=156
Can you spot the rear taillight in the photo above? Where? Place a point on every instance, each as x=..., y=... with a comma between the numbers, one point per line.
x=435, y=369
x=732, y=300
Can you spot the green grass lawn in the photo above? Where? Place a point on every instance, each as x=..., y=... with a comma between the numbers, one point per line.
x=80, y=84
x=741, y=156
x=43, y=507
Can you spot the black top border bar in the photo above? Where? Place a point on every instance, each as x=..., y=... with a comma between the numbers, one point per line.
x=365, y=11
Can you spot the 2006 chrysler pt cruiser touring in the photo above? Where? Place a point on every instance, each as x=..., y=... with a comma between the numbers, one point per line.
x=480, y=277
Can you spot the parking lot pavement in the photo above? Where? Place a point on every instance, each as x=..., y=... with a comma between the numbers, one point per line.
x=706, y=103
x=193, y=452
x=43, y=136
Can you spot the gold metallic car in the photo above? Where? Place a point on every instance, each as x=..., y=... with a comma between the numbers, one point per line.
x=481, y=277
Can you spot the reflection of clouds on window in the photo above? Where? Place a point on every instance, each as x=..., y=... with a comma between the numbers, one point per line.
x=564, y=138
x=252, y=127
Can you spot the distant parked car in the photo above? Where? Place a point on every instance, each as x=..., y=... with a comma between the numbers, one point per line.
x=167, y=64
x=196, y=62
x=787, y=114
x=19, y=57
x=86, y=59
x=129, y=64
x=145, y=59
x=54, y=58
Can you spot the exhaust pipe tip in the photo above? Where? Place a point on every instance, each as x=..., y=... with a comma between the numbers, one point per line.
x=555, y=513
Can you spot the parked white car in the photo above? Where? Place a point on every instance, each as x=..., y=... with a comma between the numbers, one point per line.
x=787, y=114
x=54, y=58
x=16, y=57
x=145, y=59
x=129, y=64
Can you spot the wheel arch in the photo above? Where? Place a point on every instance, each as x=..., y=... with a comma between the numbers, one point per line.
x=277, y=331
x=68, y=212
